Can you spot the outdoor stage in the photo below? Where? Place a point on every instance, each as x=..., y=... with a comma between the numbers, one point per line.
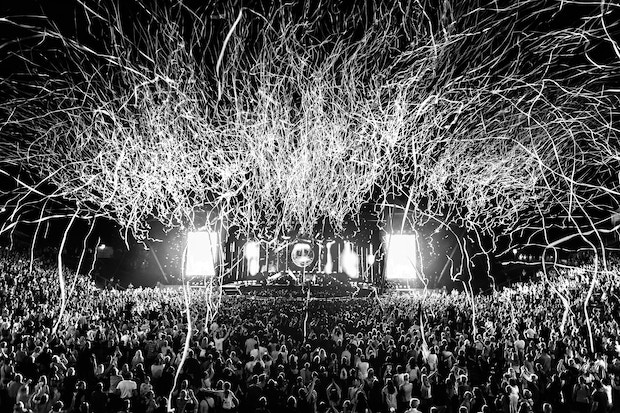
x=289, y=285
x=319, y=285
x=252, y=288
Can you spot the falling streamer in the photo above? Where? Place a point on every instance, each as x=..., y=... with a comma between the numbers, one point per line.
x=61, y=277
x=188, y=336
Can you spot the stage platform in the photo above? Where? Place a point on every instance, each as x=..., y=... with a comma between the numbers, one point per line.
x=254, y=288
x=290, y=285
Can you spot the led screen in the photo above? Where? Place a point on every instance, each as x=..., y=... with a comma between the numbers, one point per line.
x=401, y=256
x=202, y=250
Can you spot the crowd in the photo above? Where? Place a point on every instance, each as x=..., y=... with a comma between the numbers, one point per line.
x=516, y=350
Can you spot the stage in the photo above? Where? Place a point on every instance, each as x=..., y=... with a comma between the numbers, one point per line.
x=283, y=284
x=300, y=291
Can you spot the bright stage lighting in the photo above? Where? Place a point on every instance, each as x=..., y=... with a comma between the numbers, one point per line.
x=252, y=256
x=328, y=265
x=401, y=256
x=370, y=259
x=201, y=253
x=349, y=259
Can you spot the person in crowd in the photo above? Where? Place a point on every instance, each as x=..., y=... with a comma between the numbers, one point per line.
x=127, y=388
x=413, y=406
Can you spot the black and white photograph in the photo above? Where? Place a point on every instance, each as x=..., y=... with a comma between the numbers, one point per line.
x=309, y=206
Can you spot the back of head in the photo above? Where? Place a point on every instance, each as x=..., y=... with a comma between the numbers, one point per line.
x=291, y=402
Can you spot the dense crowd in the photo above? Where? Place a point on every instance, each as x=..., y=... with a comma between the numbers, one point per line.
x=514, y=350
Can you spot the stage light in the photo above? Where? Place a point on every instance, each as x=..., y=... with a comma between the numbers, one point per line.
x=401, y=256
x=201, y=253
x=370, y=259
x=329, y=265
x=350, y=264
x=252, y=255
x=104, y=251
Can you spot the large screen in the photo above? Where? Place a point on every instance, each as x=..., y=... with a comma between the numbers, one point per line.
x=349, y=261
x=202, y=252
x=401, y=256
